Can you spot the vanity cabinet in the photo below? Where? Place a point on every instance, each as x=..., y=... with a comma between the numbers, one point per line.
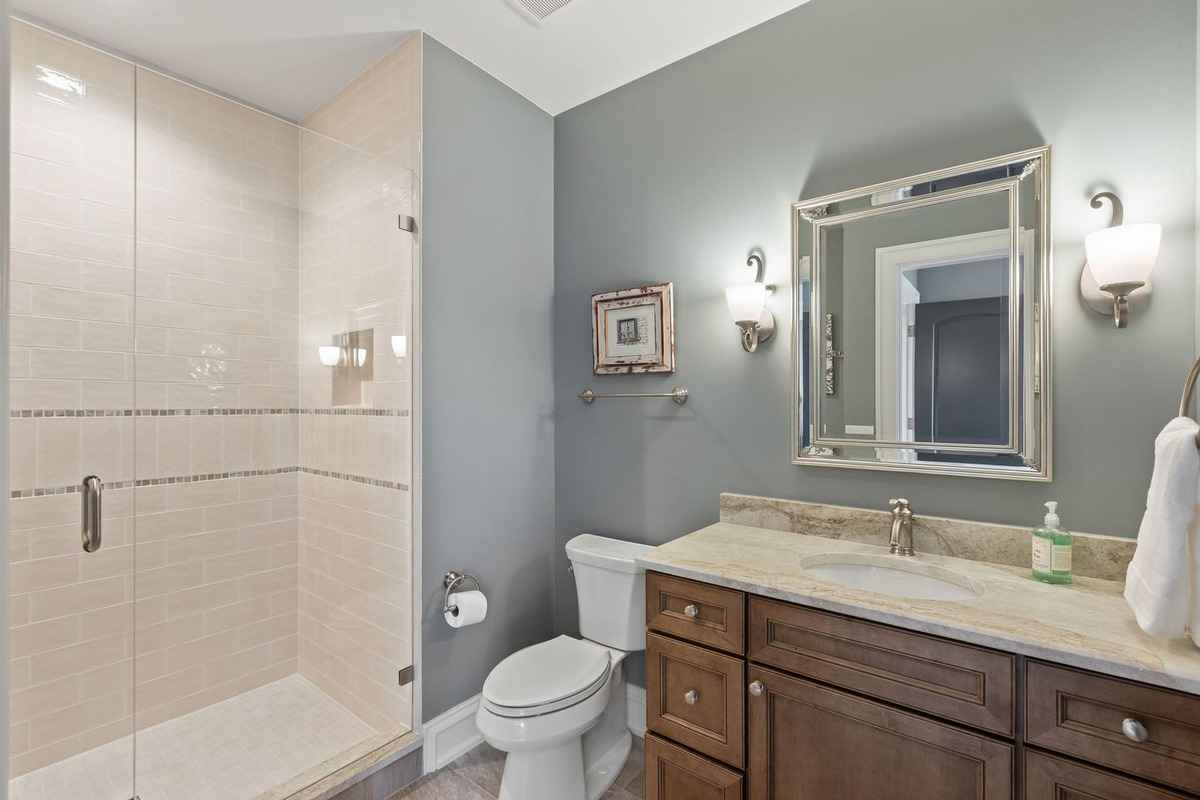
x=789, y=702
x=811, y=741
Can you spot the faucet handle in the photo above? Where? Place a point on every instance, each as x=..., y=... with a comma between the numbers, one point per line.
x=899, y=504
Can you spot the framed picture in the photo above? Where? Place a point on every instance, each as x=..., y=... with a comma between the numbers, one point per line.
x=633, y=331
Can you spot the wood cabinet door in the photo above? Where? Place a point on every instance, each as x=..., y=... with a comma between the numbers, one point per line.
x=696, y=697
x=809, y=742
x=673, y=773
x=1050, y=778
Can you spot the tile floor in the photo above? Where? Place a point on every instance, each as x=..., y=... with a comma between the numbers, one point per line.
x=476, y=776
x=233, y=750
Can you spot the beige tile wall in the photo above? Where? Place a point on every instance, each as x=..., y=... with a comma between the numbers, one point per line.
x=207, y=606
x=247, y=567
x=356, y=270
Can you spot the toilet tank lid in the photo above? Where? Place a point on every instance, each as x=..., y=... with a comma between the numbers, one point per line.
x=600, y=551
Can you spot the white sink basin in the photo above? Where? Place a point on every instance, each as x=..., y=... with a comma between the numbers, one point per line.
x=898, y=576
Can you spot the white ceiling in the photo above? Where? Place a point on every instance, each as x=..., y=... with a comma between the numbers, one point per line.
x=290, y=56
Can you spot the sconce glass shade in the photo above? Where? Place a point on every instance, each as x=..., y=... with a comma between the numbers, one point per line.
x=1123, y=254
x=746, y=302
x=400, y=346
x=330, y=355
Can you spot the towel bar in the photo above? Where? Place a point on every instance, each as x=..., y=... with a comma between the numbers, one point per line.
x=1188, y=388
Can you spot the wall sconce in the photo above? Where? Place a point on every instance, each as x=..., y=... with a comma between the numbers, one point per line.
x=1120, y=259
x=747, y=306
x=400, y=346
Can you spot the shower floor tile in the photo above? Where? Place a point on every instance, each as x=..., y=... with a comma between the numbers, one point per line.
x=232, y=750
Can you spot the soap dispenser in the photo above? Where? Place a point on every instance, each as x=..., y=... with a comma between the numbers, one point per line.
x=1052, y=549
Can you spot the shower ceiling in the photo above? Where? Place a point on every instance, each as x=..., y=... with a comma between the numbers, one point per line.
x=290, y=56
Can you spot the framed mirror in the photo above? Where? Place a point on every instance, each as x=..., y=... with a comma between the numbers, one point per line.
x=922, y=323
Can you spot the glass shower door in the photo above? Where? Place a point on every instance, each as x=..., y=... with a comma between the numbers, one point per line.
x=71, y=634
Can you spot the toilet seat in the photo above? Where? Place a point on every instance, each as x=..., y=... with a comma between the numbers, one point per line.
x=546, y=677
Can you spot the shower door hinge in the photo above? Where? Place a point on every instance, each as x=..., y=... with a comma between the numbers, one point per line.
x=408, y=223
x=407, y=674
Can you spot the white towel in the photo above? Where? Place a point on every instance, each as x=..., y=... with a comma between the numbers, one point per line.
x=1161, y=583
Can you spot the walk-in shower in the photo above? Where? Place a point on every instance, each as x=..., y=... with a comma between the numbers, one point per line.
x=212, y=313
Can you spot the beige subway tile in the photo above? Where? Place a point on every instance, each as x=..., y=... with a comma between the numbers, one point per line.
x=169, y=634
x=41, y=637
x=66, y=661
x=33, y=393
x=76, y=597
x=44, y=332
x=201, y=598
x=78, y=364
x=93, y=712
x=99, y=306
x=43, y=573
x=169, y=688
x=47, y=698
x=167, y=579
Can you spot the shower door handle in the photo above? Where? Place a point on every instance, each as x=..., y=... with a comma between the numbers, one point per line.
x=91, y=490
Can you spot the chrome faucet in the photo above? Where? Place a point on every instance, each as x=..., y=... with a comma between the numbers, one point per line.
x=901, y=543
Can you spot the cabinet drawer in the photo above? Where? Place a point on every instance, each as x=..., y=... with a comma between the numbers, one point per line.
x=696, y=611
x=673, y=773
x=1082, y=714
x=696, y=697
x=816, y=743
x=959, y=682
x=1050, y=778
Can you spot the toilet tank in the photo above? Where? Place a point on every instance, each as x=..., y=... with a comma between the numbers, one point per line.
x=611, y=588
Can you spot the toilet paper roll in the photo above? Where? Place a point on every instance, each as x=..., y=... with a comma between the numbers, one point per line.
x=467, y=608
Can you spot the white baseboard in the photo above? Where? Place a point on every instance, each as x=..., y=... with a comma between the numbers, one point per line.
x=635, y=698
x=450, y=735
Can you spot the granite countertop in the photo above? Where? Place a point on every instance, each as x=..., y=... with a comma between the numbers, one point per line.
x=1086, y=624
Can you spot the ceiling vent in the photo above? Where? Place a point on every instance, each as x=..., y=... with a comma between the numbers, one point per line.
x=536, y=11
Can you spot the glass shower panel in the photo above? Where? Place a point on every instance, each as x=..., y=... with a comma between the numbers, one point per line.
x=71, y=634
x=355, y=584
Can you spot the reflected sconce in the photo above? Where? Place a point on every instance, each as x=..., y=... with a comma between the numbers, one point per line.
x=748, y=306
x=350, y=358
x=400, y=346
x=1120, y=259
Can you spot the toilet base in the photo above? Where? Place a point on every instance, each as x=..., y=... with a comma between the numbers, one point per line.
x=557, y=772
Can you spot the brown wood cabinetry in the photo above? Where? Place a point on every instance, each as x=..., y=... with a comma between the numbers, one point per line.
x=708, y=615
x=696, y=697
x=1143, y=730
x=956, y=681
x=673, y=773
x=1051, y=778
x=825, y=706
x=807, y=740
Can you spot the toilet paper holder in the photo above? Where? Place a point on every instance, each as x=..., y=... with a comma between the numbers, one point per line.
x=451, y=582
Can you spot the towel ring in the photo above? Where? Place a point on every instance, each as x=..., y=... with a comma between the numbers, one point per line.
x=1188, y=388
x=450, y=582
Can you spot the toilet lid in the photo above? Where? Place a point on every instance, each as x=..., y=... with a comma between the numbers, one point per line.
x=546, y=673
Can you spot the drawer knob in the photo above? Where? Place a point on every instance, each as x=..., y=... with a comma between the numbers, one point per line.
x=691, y=697
x=756, y=688
x=1134, y=730
x=692, y=610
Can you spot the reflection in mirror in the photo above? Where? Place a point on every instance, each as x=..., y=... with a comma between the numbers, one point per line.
x=918, y=338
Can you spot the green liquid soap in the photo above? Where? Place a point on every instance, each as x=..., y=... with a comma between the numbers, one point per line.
x=1052, y=549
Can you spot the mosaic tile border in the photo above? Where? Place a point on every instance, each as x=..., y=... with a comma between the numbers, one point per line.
x=21, y=494
x=63, y=413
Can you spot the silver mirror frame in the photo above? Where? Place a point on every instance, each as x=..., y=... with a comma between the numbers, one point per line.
x=1036, y=449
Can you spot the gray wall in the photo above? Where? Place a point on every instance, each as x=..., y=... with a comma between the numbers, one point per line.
x=488, y=450
x=676, y=176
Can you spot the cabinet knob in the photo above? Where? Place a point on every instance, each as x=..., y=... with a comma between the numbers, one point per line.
x=1134, y=730
x=756, y=688
x=691, y=697
x=692, y=610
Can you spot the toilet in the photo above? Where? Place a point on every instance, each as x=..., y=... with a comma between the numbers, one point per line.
x=558, y=708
